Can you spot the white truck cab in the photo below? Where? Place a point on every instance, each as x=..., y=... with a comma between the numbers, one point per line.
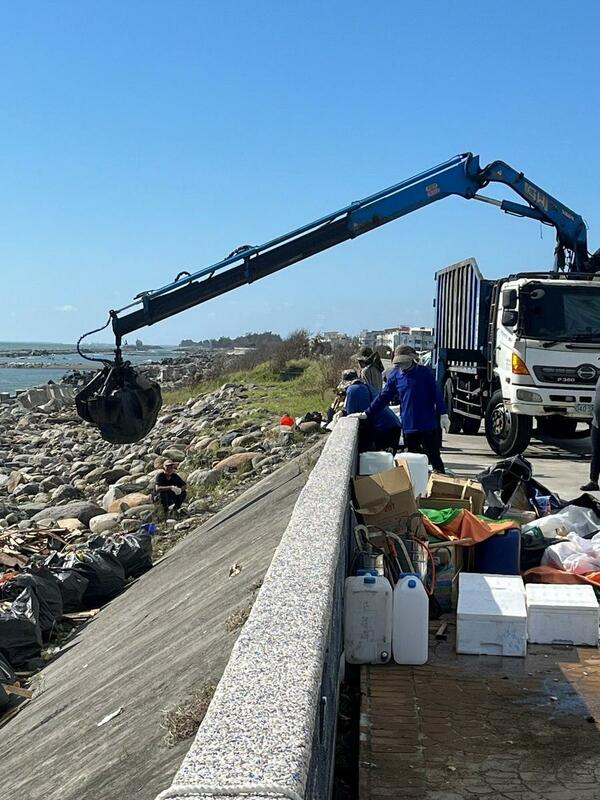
x=517, y=349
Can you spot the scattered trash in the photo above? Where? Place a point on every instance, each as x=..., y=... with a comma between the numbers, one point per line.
x=110, y=716
x=235, y=569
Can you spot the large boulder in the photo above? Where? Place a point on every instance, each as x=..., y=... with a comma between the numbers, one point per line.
x=70, y=524
x=204, y=477
x=14, y=479
x=114, y=493
x=66, y=492
x=112, y=475
x=104, y=522
x=309, y=427
x=240, y=462
x=128, y=501
x=82, y=510
x=174, y=454
x=247, y=440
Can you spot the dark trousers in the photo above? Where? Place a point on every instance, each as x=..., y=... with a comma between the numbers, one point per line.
x=369, y=439
x=387, y=440
x=170, y=498
x=428, y=442
x=595, y=465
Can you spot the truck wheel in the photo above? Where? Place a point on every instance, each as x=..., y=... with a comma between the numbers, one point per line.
x=557, y=426
x=455, y=419
x=507, y=434
x=471, y=426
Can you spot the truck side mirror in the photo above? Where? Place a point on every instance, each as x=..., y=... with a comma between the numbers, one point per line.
x=509, y=299
x=509, y=318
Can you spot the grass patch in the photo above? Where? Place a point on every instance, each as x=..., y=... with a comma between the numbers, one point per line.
x=237, y=619
x=272, y=395
x=182, y=721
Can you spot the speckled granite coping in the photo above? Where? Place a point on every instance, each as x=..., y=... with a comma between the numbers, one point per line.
x=256, y=739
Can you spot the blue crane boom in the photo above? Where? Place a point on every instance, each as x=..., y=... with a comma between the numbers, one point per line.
x=461, y=176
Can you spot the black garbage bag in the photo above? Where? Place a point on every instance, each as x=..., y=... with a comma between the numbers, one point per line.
x=72, y=585
x=134, y=552
x=20, y=632
x=105, y=576
x=121, y=403
x=6, y=676
x=47, y=590
x=511, y=483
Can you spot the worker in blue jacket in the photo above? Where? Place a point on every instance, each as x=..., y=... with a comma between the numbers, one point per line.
x=382, y=430
x=422, y=406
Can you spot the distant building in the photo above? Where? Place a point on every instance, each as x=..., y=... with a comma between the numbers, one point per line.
x=335, y=338
x=419, y=338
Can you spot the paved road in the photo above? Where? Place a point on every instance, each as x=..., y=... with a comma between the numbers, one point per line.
x=468, y=727
x=561, y=465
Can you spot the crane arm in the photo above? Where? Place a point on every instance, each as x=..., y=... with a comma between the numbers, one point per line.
x=461, y=176
x=571, y=232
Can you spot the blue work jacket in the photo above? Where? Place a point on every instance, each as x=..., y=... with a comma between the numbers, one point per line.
x=421, y=402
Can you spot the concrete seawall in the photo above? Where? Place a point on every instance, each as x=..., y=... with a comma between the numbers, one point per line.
x=270, y=729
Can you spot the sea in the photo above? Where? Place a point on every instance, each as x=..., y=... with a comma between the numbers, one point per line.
x=61, y=359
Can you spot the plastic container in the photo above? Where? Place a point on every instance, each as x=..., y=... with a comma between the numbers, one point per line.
x=500, y=554
x=418, y=467
x=491, y=616
x=410, y=630
x=560, y=613
x=371, y=463
x=572, y=519
x=368, y=619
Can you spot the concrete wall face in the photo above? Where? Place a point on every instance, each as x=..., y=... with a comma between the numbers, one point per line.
x=320, y=771
x=270, y=729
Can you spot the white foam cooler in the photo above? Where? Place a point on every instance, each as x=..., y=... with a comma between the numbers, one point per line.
x=561, y=613
x=491, y=616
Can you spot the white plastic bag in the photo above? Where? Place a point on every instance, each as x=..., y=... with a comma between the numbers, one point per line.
x=574, y=554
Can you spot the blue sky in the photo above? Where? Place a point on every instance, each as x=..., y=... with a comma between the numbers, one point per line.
x=141, y=138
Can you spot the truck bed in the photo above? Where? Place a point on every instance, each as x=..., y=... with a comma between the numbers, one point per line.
x=483, y=726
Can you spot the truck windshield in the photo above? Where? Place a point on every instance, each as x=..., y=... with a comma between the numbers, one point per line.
x=561, y=313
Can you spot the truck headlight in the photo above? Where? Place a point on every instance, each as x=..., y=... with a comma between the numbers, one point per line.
x=528, y=397
x=519, y=367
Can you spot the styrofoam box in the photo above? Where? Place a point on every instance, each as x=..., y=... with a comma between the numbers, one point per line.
x=491, y=617
x=561, y=613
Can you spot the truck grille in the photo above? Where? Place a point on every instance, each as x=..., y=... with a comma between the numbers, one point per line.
x=584, y=375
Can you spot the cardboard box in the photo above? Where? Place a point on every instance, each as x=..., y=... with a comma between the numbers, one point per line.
x=442, y=486
x=439, y=503
x=385, y=499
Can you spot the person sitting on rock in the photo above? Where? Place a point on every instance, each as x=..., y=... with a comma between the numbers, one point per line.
x=170, y=487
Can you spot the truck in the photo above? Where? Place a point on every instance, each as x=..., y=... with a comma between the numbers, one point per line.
x=517, y=349
x=125, y=408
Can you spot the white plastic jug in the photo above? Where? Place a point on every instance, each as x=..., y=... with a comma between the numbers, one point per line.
x=410, y=629
x=375, y=461
x=571, y=519
x=418, y=467
x=368, y=601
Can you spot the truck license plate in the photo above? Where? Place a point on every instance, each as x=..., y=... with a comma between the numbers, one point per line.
x=585, y=408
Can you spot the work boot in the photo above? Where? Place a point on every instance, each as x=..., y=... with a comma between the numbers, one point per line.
x=590, y=486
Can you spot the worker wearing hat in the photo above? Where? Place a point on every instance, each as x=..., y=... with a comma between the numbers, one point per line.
x=382, y=430
x=170, y=487
x=370, y=367
x=422, y=404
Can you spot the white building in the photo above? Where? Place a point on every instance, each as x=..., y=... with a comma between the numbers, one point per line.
x=419, y=338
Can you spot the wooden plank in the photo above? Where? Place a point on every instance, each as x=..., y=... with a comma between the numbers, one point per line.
x=13, y=689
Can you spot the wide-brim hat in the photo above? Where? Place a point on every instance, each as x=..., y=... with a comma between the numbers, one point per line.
x=402, y=351
x=364, y=354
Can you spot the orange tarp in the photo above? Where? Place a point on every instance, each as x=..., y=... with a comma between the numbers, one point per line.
x=467, y=526
x=548, y=574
